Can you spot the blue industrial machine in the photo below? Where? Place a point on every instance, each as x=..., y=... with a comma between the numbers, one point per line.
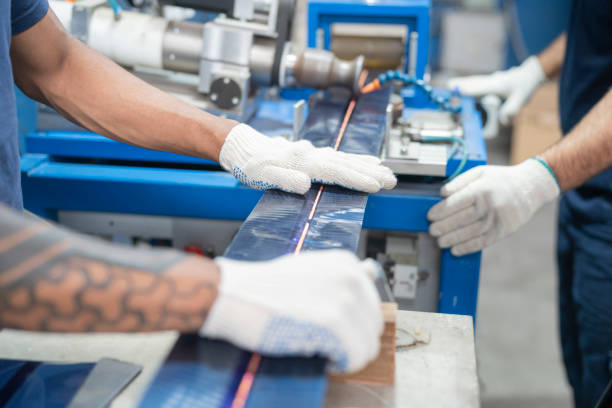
x=127, y=193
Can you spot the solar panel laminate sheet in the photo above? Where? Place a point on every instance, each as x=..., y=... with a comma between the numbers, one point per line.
x=273, y=228
x=210, y=371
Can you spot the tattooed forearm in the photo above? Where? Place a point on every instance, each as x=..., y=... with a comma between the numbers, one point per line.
x=52, y=279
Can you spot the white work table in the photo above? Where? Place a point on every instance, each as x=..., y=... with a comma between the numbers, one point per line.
x=440, y=373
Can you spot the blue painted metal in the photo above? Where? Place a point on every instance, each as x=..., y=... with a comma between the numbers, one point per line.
x=49, y=186
x=274, y=118
x=459, y=284
x=87, y=145
x=411, y=13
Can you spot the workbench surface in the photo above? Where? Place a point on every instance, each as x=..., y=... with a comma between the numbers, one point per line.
x=440, y=373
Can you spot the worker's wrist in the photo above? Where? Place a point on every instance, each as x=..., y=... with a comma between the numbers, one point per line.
x=220, y=131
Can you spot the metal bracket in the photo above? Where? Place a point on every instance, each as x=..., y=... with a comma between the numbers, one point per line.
x=299, y=116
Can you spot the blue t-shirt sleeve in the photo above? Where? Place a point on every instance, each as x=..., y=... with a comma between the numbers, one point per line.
x=26, y=13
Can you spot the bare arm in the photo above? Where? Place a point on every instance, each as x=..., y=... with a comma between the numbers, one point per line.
x=586, y=150
x=55, y=68
x=52, y=279
x=551, y=59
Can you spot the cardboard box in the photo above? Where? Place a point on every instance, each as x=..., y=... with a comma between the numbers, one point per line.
x=537, y=125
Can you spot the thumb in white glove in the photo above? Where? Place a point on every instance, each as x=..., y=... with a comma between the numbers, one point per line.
x=516, y=85
x=316, y=303
x=262, y=162
x=488, y=203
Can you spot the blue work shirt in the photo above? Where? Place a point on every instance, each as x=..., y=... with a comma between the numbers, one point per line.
x=586, y=78
x=16, y=16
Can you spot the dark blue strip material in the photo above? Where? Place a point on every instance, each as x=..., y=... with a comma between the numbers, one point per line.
x=336, y=224
x=35, y=384
x=197, y=373
x=17, y=379
x=202, y=373
x=274, y=226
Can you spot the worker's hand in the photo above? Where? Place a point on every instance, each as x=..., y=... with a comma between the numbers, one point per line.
x=488, y=203
x=316, y=303
x=516, y=85
x=263, y=162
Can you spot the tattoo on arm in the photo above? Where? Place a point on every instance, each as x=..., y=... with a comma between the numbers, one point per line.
x=52, y=279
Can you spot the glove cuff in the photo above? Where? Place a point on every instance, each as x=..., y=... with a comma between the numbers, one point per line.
x=533, y=71
x=544, y=184
x=232, y=316
x=240, y=145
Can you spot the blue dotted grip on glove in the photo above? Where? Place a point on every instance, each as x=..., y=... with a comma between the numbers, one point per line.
x=286, y=336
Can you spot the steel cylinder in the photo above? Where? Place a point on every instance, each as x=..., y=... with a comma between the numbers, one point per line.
x=321, y=69
x=182, y=46
x=261, y=61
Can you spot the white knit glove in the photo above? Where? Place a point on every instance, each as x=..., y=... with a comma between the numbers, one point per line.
x=316, y=303
x=263, y=162
x=488, y=203
x=516, y=85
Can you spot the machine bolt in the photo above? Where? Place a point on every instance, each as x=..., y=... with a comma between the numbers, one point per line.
x=234, y=101
x=213, y=97
x=226, y=81
x=403, y=151
x=171, y=57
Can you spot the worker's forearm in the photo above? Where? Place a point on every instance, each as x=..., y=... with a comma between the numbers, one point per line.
x=52, y=279
x=586, y=150
x=551, y=59
x=98, y=94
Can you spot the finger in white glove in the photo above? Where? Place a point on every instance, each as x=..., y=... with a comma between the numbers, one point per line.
x=316, y=303
x=262, y=162
x=487, y=203
x=516, y=85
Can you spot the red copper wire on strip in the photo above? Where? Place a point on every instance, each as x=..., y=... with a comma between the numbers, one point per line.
x=246, y=383
x=242, y=393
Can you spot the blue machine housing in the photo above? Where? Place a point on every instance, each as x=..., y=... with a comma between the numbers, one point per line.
x=413, y=14
x=82, y=171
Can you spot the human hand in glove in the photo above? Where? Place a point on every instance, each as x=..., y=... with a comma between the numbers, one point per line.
x=316, y=303
x=516, y=85
x=263, y=162
x=488, y=203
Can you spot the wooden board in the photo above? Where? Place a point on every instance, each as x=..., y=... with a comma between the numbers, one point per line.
x=381, y=371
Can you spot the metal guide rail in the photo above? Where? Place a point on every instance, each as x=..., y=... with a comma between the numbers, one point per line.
x=207, y=373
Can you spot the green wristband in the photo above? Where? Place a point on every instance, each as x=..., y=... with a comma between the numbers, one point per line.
x=552, y=173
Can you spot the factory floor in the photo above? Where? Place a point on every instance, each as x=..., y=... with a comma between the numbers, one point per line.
x=517, y=343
